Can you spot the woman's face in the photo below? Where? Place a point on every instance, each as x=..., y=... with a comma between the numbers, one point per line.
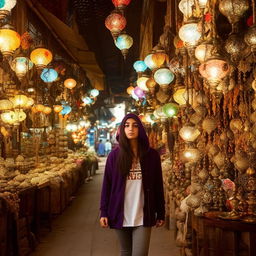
x=131, y=129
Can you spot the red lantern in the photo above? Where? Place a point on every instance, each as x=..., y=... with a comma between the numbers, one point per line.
x=115, y=22
x=121, y=4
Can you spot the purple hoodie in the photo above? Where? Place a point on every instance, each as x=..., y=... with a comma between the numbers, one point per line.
x=113, y=188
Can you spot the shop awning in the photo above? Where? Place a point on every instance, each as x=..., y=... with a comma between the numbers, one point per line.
x=73, y=43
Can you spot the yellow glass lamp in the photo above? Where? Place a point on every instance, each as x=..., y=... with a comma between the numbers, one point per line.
x=70, y=83
x=9, y=40
x=19, y=101
x=30, y=103
x=41, y=57
x=141, y=82
x=129, y=90
x=21, y=65
x=189, y=132
x=8, y=117
x=160, y=58
x=179, y=96
x=47, y=110
x=57, y=108
x=20, y=115
x=39, y=107
x=5, y=104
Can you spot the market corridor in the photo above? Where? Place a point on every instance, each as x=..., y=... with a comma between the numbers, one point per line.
x=77, y=232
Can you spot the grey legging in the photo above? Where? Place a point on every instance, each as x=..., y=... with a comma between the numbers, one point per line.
x=134, y=241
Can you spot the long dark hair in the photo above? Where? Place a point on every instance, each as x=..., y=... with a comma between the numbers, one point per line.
x=125, y=156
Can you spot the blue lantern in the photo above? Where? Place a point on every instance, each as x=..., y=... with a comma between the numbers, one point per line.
x=124, y=42
x=163, y=76
x=66, y=110
x=49, y=75
x=87, y=100
x=94, y=92
x=140, y=66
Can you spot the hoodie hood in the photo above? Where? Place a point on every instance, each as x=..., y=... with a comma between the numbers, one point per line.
x=143, y=138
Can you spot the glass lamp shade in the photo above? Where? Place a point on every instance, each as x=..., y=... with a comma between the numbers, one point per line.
x=189, y=133
x=134, y=96
x=124, y=42
x=129, y=90
x=160, y=58
x=21, y=65
x=233, y=9
x=94, y=93
x=39, y=108
x=87, y=100
x=8, y=117
x=185, y=7
x=49, y=75
x=203, y=52
x=72, y=127
x=47, y=110
x=149, y=62
x=151, y=83
x=41, y=57
x=139, y=66
x=19, y=101
x=141, y=82
x=139, y=92
x=191, y=155
x=121, y=3
x=163, y=76
x=115, y=22
x=66, y=110
x=57, y=108
x=170, y=109
x=214, y=70
x=6, y=105
x=9, y=40
x=179, y=96
x=70, y=83
x=159, y=113
x=189, y=33
x=5, y=7
x=250, y=37
x=20, y=115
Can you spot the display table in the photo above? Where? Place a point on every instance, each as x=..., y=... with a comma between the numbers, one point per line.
x=214, y=236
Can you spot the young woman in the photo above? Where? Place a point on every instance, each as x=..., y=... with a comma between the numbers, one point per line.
x=132, y=198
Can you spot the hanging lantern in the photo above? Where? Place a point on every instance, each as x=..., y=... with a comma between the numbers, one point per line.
x=139, y=92
x=124, y=42
x=151, y=84
x=41, y=57
x=189, y=33
x=115, y=22
x=250, y=37
x=139, y=66
x=47, y=110
x=20, y=115
x=160, y=58
x=57, y=108
x=5, y=105
x=49, y=75
x=186, y=7
x=233, y=9
x=189, y=132
x=121, y=4
x=203, y=51
x=39, y=107
x=87, y=100
x=94, y=93
x=8, y=117
x=129, y=90
x=5, y=7
x=19, y=101
x=21, y=65
x=191, y=155
x=9, y=40
x=180, y=95
x=214, y=70
x=71, y=127
x=159, y=113
x=70, y=83
x=66, y=110
x=141, y=82
x=149, y=62
x=163, y=77
x=170, y=109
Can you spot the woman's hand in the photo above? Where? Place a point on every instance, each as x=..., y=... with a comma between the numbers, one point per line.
x=159, y=223
x=104, y=222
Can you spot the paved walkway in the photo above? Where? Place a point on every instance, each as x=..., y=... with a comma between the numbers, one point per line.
x=76, y=232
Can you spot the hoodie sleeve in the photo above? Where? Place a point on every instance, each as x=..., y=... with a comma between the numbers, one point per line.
x=106, y=188
x=159, y=190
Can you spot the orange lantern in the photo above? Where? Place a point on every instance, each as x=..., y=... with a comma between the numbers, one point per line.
x=9, y=40
x=129, y=90
x=39, y=107
x=70, y=83
x=57, y=108
x=160, y=58
x=47, y=110
x=41, y=57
